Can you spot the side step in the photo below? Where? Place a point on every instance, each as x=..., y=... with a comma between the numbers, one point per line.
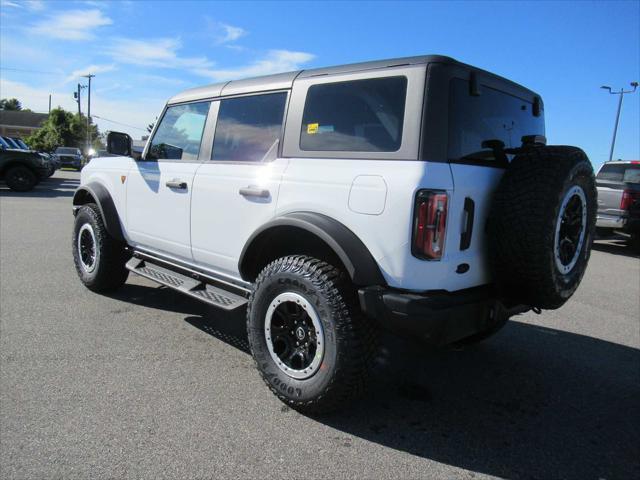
x=195, y=288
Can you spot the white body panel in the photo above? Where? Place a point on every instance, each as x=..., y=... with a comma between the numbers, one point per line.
x=222, y=220
x=324, y=186
x=374, y=199
x=108, y=171
x=158, y=217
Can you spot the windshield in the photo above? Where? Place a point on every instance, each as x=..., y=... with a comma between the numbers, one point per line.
x=21, y=143
x=11, y=143
x=489, y=117
x=3, y=143
x=67, y=151
x=620, y=172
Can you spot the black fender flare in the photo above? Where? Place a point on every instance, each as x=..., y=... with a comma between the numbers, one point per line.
x=352, y=252
x=102, y=198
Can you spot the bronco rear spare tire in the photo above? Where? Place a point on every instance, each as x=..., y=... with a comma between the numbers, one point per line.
x=542, y=225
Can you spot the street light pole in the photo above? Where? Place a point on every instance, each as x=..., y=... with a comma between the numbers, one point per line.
x=615, y=128
x=90, y=76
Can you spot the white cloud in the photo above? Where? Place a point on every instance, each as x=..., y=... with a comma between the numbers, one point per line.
x=230, y=33
x=35, y=5
x=161, y=52
x=223, y=33
x=276, y=61
x=138, y=113
x=94, y=69
x=71, y=24
x=8, y=3
x=36, y=99
x=96, y=3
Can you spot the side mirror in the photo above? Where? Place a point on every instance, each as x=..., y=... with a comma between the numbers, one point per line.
x=119, y=143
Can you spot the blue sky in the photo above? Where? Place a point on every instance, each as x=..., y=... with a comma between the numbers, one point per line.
x=144, y=52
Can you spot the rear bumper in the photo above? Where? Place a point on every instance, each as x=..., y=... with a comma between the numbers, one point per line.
x=610, y=221
x=438, y=317
x=619, y=222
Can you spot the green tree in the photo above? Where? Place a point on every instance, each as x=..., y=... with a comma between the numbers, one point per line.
x=64, y=129
x=10, y=104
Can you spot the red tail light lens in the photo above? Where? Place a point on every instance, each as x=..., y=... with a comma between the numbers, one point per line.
x=628, y=198
x=429, y=224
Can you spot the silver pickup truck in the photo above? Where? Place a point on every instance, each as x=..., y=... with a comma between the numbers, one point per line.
x=618, y=186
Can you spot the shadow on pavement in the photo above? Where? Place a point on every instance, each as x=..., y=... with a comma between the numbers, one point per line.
x=47, y=188
x=532, y=402
x=616, y=246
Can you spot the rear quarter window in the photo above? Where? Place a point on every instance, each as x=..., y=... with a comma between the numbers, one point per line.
x=355, y=116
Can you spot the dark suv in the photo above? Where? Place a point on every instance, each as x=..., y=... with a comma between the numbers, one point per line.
x=70, y=157
x=22, y=169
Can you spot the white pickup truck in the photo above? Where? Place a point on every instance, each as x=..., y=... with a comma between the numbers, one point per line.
x=415, y=194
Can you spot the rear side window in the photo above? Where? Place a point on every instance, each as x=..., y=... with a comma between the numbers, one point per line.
x=355, y=116
x=248, y=127
x=179, y=133
x=492, y=115
x=628, y=173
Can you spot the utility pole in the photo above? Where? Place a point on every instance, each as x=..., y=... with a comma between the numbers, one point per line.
x=90, y=76
x=76, y=95
x=621, y=92
x=49, y=103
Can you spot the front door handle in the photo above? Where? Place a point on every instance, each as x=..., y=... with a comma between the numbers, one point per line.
x=178, y=184
x=251, y=191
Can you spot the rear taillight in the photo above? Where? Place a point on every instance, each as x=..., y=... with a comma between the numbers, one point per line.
x=628, y=198
x=429, y=224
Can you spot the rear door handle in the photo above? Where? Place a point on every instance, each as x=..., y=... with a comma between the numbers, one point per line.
x=176, y=183
x=251, y=191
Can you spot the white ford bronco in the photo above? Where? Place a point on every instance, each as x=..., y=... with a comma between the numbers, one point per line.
x=415, y=194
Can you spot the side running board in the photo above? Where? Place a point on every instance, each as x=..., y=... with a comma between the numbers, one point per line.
x=195, y=288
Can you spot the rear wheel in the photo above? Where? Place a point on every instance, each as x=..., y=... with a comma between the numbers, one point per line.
x=310, y=342
x=99, y=259
x=20, y=179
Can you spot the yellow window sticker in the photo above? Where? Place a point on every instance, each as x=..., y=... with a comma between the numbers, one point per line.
x=312, y=128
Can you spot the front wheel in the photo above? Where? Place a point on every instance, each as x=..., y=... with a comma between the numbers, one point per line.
x=310, y=342
x=20, y=179
x=99, y=259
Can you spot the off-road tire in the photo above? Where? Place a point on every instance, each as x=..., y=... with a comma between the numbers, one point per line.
x=20, y=179
x=523, y=221
x=109, y=272
x=349, y=337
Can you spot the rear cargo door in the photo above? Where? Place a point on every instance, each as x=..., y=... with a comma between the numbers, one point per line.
x=612, y=180
x=476, y=121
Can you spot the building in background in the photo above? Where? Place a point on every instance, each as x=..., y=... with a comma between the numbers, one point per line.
x=18, y=123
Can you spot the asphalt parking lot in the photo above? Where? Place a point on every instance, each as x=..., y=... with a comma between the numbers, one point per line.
x=147, y=383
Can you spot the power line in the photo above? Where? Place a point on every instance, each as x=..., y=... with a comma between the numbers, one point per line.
x=31, y=71
x=120, y=123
